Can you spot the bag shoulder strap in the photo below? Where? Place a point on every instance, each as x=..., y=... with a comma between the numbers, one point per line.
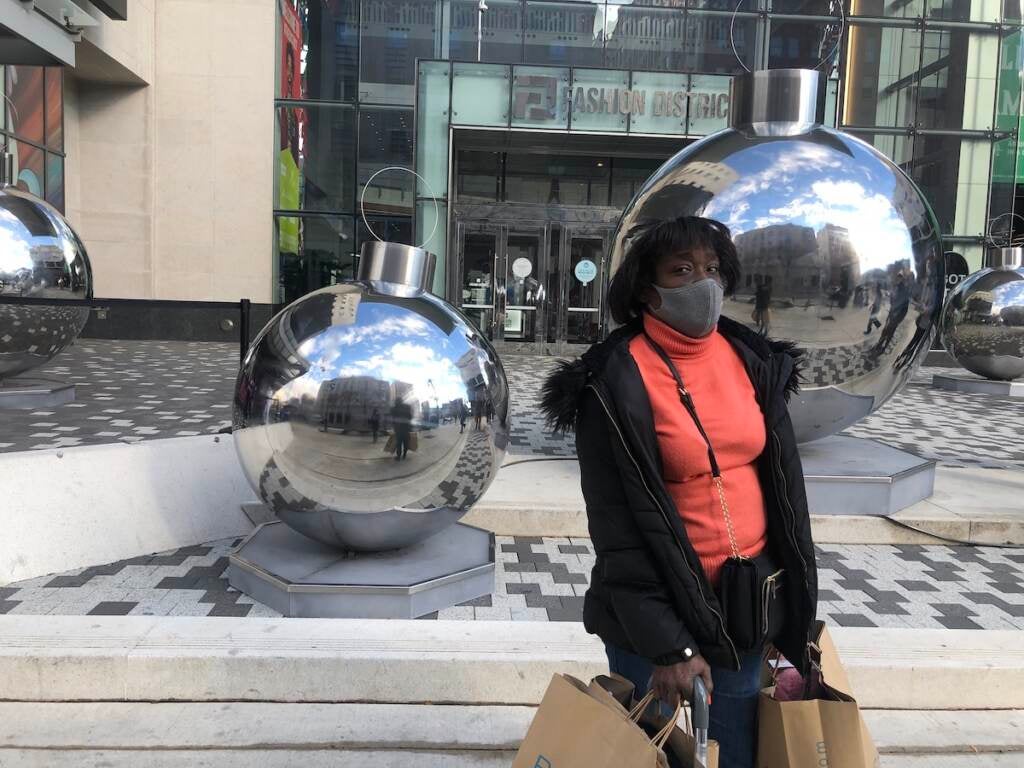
x=686, y=400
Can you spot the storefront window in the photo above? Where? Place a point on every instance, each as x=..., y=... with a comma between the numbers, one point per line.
x=502, y=39
x=54, y=108
x=882, y=76
x=646, y=38
x=32, y=126
x=316, y=158
x=331, y=50
x=478, y=176
x=323, y=254
x=953, y=174
x=392, y=229
x=564, y=33
x=25, y=89
x=393, y=35
x=628, y=175
x=556, y=179
x=899, y=148
x=883, y=9
x=964, y=10
x=55, y=180
x=385, y=141
x=707, y=47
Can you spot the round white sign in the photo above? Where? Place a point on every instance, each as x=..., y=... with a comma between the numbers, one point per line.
x=522, y=267
x=585, y=271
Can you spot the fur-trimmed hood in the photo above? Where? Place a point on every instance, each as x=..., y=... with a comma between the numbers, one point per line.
x=561, y=392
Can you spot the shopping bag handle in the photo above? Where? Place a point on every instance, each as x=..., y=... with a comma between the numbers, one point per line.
x=662, y=736
x=636, y=712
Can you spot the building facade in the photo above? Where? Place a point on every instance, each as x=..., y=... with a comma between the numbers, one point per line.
x=529, y=126
x=506, y=140
x=138, y=119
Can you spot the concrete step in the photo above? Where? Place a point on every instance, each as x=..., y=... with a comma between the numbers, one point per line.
x=968, y=504
x=144, y=658
x=1011, y=760
x=363, y=758
x=264, y=758
x=425, y=734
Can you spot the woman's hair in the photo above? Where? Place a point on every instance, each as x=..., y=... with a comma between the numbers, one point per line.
x=650, y=241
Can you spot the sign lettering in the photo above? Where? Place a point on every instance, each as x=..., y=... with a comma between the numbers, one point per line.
x=534, y=98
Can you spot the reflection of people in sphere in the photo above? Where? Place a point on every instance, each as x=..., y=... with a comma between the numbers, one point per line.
x=899, y=305
x=679, y=415
x=401, y=423
x=374, y=422
x=876, y=308
x=478, y=410
x=763, y=306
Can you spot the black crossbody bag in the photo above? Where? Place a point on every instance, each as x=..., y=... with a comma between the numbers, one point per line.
x=750, y=590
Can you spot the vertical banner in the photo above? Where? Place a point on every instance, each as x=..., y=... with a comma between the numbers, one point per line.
x=290, y=125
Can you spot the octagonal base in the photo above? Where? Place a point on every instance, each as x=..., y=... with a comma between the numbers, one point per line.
x=968, y=382
x=303, y=578
x=30, y=393
x=853, y=476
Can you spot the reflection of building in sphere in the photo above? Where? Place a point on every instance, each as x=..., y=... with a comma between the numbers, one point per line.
x=346, y=416
x=983, y=323
x=838, y=252
x=43, y=258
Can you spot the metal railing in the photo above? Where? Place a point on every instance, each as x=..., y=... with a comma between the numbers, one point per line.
x=243, y=307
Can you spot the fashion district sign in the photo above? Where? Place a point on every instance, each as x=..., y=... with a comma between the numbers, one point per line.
x=546, y=98
x=624, y=101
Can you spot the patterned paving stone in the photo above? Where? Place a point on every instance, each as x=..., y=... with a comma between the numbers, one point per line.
x=545, y=579
x=130, y=391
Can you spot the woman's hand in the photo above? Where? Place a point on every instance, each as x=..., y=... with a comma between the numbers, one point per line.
x=671, y=682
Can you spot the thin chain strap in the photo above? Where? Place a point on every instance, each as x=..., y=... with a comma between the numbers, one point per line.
x=716, y=473
x=728, y=518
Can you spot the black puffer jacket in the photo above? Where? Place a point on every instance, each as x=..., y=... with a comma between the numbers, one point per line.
x=648, y=592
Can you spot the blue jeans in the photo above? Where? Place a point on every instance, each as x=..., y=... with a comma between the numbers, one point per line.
x=733, y=703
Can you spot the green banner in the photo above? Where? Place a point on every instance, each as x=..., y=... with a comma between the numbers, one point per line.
x=1007, y=157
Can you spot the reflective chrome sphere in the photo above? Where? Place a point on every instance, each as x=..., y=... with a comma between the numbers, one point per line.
x=344, y=376
x=983, y=323
x=40, y=257
x=840, y=253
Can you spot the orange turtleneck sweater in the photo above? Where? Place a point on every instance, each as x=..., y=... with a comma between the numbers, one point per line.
x=724, y=398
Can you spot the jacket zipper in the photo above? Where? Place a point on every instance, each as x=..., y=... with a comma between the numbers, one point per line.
x=696, y=578
x=784, y=498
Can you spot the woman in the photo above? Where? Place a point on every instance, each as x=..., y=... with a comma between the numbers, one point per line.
x=664, y=526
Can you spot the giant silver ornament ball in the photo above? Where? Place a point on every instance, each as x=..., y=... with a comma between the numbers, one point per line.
x=40, y=257
x=983, y=321
x=334, y=363
x=826, y=227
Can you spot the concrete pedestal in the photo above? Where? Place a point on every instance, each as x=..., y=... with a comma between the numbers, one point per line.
x=968, y=382
x=26, y=393
x=303, y=578
x=852, y=476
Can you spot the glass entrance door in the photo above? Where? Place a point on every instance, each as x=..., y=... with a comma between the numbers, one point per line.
x=501, y=288
x=478, y=263
x=584, y=275
x=524, y=269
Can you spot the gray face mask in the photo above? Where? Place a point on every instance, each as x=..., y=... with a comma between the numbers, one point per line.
x=692, y=309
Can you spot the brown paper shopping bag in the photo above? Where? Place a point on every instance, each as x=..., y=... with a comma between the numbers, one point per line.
x=827, y=732
x=678, y=747
x=580, y=727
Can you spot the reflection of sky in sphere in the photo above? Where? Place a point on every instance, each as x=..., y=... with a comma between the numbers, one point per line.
x=1009, y=295
x=390, y=343
x=811, y=185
